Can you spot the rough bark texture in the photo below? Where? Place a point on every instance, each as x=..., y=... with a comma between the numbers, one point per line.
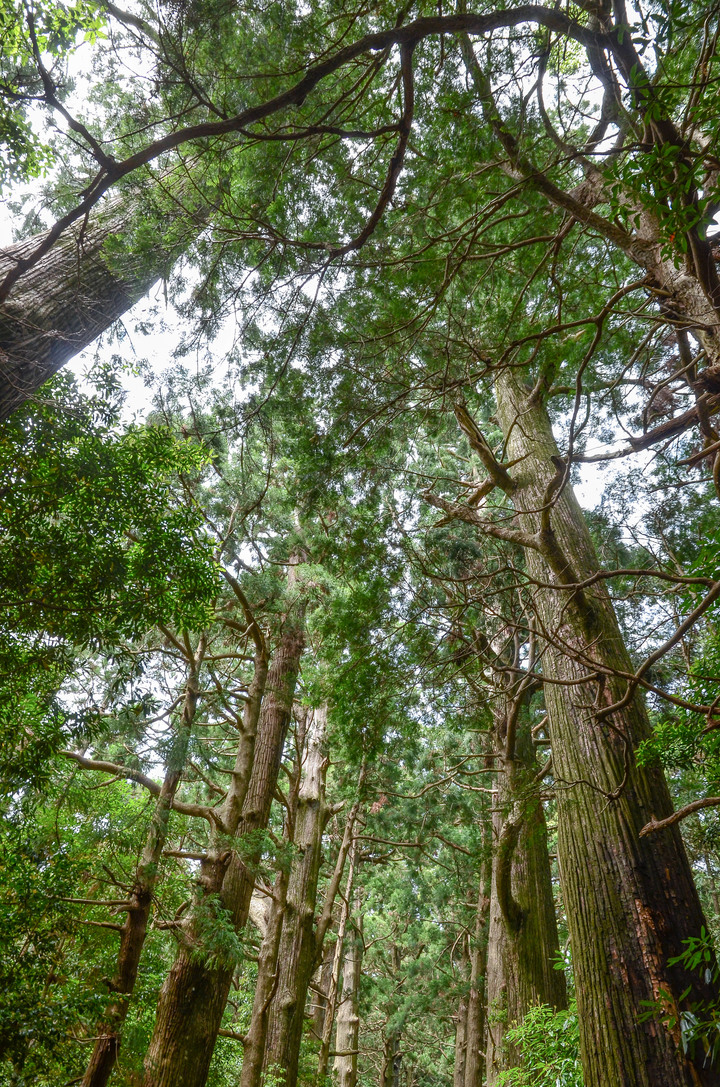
x=630, y=901
x=297, y=953
x=132, y=938
x=523, y=938
x=347, y=1032
x=77, y=290
x=193, y=997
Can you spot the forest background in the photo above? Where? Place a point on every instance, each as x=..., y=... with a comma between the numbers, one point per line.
x=338, y=742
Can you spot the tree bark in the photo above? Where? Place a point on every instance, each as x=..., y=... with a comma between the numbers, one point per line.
x=461, y=1023
x=476, y=1007
x=523, y=938
x=193, y=997
x=297, y=953
x=83, y=284
x=267, y=977
x=132, y=938
x=630, y=901
x=347, y=1032
x=324, y=1054
x=321, y=990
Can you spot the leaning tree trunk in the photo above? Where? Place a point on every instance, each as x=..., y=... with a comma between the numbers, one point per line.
x=523, y=938
x=132, y=937
x=347, y=1031
x=630, y=901
x=85, y=282
x=193, y=997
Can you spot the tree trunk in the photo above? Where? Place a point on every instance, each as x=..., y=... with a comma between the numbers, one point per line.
x=81, y=286
x=347, y=1033
x=132, y=938
x=321, y=989
x=523, y=938
x=475, y=1034
x=297, y=958
x=254, y=1047
x=324, y=1054
x=461, y=1024
x=193, y=997
x=630, y=901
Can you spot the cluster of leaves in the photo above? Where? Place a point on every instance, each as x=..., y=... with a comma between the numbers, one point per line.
x=549, y=1042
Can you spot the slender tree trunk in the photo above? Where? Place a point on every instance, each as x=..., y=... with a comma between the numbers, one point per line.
x=461, y=1023
x=82, y=285
x=296, y=959
x=254, y=1047
x=132, y=938
x=324, y=1055
x=302, y=941
x=392, y=1061
x=523, y=938
x=630, y=901
x=475, y=1034
x=321, y=989
x=347, y=1033
x=392, y=1054
x=193, y=997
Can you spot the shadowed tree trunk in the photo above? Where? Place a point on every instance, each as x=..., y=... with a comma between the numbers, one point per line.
x=132, y=938
x=630, y=901
x=477, y=1002
x=523, y=938
x=193, y=997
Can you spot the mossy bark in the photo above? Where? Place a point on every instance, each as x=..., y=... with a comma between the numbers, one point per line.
x=630, y=901
x=523, y=940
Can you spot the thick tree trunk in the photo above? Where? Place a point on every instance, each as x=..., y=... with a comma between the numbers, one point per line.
x=347, y=1032
x=297, y=953
x=523, y=938
x=132, y=938
x=82, y=285
x=630, y=901
x=193, y=997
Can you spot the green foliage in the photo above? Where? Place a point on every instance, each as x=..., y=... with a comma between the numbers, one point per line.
x=549, y=1043
x=36, y=38
x=699, y=1021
